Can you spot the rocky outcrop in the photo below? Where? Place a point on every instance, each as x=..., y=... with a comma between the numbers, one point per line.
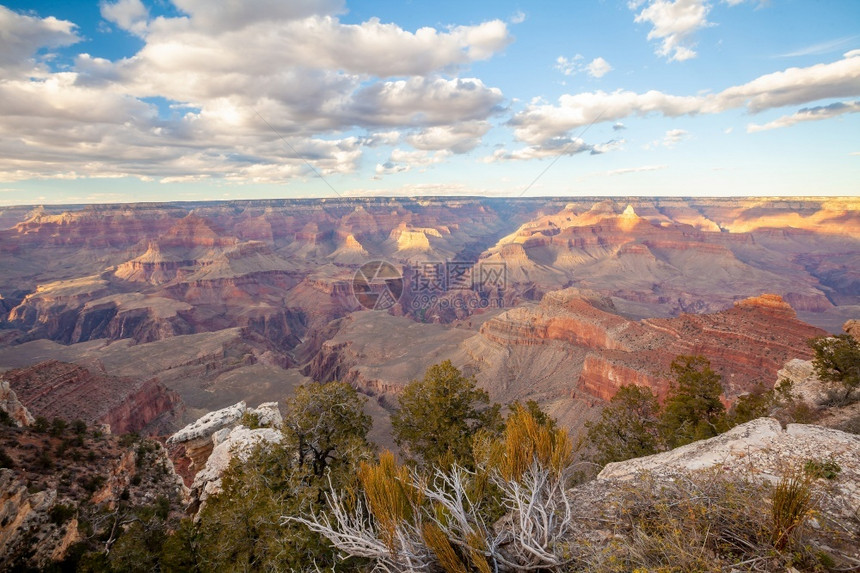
x=69, y=391
x=202, y=436
x=761, y=448
x=10, y=404
x=268, y=414
x=568, y=317
x=44, y=497
x=602, y=375
x=25, y=525
x=197, y=436
x=238, y=443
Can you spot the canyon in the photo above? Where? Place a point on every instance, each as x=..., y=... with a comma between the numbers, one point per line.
x=147, y=316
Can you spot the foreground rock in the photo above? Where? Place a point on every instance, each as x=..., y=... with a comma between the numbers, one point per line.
x=761, y=448
x=49, y=503
x=10, y=404
x=212, y=441
x=197, y=436
x=239, y=443
x=763, y=452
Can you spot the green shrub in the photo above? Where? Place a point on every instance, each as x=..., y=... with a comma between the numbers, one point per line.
x=5, y=460
x=58, y=426
x=61, y=513
x=627, y=427
x=693, y=410
x=6, y=419
x=827, y=469
x=41, y=424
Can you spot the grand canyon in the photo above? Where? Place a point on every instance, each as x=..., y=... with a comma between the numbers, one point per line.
x=147, y=316
x=180, y=337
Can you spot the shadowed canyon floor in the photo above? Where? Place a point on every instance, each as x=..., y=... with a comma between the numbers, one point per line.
x=175, y=310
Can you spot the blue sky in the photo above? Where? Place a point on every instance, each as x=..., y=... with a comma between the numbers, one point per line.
x=155, y=100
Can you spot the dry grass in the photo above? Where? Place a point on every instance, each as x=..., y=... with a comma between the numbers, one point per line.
x=707, y=521
x=791, y=505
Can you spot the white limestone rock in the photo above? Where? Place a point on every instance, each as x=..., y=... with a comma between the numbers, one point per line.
x=10, y=403
x=240, y=442
x=209, y=424
x=268, y=414
x=761, y=450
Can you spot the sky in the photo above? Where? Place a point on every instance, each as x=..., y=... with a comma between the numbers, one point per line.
x=187, y=100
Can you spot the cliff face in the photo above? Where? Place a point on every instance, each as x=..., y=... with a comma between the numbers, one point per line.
x=746, y=344
x=58, y=389
x=50, y=502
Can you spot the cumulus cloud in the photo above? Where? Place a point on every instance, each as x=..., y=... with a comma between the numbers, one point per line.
x=223, y=16
x=129, y=15
x=21, y=36
x=674, y=22
x=402, y=161
x=540, y=122
x=808, y=114
x=598, y=68
x=458, y=138
x=238, y=77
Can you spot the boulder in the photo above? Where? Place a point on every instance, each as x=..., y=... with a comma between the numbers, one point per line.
x=11, y=405
x=761, y=450
x=239, y=442
x=197, y=436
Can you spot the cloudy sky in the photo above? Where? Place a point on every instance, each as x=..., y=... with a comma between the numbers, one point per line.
x=150, y=100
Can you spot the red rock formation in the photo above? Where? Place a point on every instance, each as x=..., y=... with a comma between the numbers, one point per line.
x=69, y=391
x=746, y=344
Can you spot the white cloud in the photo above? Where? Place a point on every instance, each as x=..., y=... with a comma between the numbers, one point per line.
x=383, y=138
x=238, y=77
x=808, y=114
x=233, y=15
x=518, y=17
x=553, y=148
x=674, y=22
x=402, y=161
x=670, y=139
x=458, y=138
x=129, y=15
x=598, y=68
x=540, y=122
x=568, y=66
x=22, y=35
x=673, y=136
